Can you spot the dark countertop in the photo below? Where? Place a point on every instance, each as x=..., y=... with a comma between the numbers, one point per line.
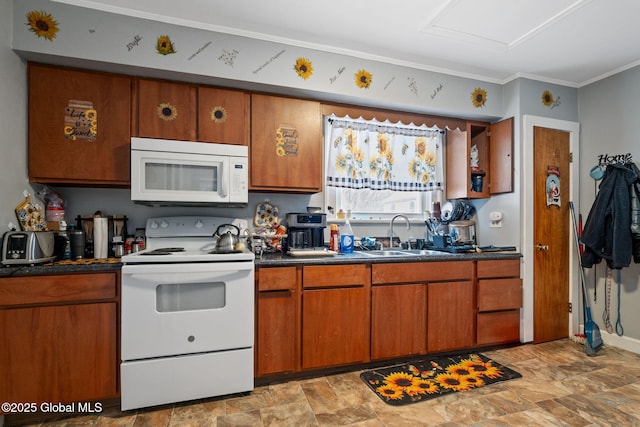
x=267, y=260
x=279, y=259
x=62, y=267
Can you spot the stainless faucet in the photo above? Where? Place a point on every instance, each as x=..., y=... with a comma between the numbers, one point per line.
x=391, y=227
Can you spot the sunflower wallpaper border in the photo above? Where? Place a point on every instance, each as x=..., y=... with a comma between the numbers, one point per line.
x=192, y=50
x=430, y=378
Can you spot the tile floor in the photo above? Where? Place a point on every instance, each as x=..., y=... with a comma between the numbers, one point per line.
x=561, y=386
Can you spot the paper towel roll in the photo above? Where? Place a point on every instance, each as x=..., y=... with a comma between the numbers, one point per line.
x=100, y=237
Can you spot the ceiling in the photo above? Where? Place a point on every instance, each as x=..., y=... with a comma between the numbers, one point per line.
x=568, y=42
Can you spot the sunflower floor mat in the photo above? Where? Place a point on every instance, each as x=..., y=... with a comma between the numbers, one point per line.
x=430, y=378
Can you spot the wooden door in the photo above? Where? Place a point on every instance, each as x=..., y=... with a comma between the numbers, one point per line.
x=450, y=316
x=286, y=145
x=166, y=110
x=398, y=320
x=551, y=234
x=223, y=116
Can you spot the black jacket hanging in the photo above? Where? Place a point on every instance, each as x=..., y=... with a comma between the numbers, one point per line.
x=635, y=214
x=607, y=231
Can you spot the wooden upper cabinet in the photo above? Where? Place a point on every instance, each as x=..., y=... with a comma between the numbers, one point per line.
x=79, y=127
x=480, y=160
x=223, y=116
x=286, y=145
x=501, y=157
x=166, y=110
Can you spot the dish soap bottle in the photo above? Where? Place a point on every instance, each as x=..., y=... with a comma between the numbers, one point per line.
x=346, y=238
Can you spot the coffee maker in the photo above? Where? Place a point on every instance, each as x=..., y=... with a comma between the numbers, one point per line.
x=305, y=230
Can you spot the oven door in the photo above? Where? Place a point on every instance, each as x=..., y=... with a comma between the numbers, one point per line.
x=186, y=308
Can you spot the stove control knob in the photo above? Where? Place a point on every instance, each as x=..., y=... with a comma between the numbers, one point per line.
x=164, y=224
x=199, y=224
x=153, y=225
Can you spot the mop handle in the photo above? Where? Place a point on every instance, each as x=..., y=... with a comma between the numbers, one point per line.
x=619, y=328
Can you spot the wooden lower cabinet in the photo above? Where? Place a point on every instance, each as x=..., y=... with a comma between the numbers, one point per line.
x=451, y=316
x=312, y=317
x=59, y=338
x=335, y=315
x=499, y=301
x=428, y=307
x=399, y=320
x=277, y=331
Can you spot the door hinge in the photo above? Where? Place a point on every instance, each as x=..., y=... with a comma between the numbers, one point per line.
x=570, y=308
x=570, y=157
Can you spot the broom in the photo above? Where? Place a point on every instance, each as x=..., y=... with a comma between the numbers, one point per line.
x=593, y=342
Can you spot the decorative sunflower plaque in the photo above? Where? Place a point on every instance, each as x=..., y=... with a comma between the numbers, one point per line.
x=80, y=121
x=218, y=114
x=287, y=141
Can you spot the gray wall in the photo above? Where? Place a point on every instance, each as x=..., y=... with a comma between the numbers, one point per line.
x=13, y=121
x=609, y=111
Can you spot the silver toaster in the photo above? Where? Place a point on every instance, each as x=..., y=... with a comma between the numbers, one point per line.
x=27, y=247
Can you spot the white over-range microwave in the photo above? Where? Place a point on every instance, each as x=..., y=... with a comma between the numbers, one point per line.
x=182, y=173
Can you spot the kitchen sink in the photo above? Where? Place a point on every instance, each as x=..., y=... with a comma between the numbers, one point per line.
x=398, y=253
x=385, y=253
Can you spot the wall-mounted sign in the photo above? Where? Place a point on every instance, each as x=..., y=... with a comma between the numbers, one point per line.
x=553, y=186
x=80, y=121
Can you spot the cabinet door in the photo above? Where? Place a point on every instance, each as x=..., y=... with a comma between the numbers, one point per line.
x=79, y=127
x=223, y=116
x=450, y=316
x=464, y=149
x=498, y=327
x=286, y=145
x=166, y=110
x=64, y=353
x=277, y=343
x=501, y=157
x=398, y=321
x=335, y=327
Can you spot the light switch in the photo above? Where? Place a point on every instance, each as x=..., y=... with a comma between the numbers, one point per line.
x=496, y=219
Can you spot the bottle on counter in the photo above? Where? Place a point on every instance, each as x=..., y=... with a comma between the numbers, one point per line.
x=334, y=238
x=346, y=238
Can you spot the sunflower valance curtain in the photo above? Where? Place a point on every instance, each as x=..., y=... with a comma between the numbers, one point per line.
x=383, y=155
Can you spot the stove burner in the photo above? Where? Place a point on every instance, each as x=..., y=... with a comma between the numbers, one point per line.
x=232, y=251
x=163, y=251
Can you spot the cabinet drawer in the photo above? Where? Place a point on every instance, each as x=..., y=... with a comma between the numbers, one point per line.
x=57, y=288
x=498, y=327
x=499, y=268
x=420, y=272
x=499, y=294
x=331, y=276
x=276, y=279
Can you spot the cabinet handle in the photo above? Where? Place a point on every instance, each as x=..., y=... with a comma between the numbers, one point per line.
x=542, y=247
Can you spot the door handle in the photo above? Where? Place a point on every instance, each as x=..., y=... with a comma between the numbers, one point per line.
x=542, y=247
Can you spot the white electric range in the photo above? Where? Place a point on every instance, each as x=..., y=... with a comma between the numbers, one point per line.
x=187, y=315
